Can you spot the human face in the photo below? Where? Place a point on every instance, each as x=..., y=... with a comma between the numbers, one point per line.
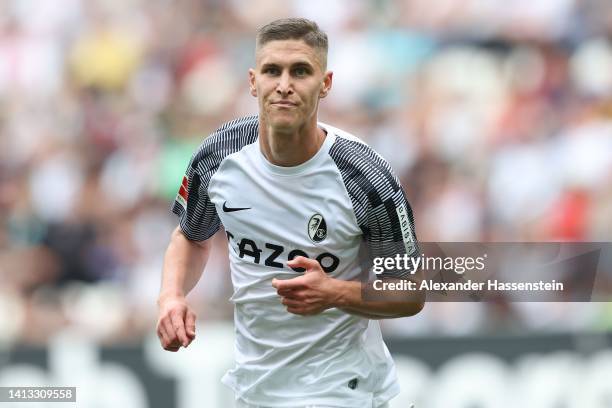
x=288, y=81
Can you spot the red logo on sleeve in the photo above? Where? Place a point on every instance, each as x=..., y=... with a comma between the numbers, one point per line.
x=183, y=190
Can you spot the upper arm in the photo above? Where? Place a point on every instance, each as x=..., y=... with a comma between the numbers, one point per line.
x=379, y=202
x=389, y=227
x=198, y=217
x=179, y=235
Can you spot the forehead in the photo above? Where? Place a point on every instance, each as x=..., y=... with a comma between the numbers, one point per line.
x=287, y=52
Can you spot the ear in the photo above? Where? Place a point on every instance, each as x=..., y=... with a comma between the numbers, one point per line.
x=327, y=84
x=252, y=82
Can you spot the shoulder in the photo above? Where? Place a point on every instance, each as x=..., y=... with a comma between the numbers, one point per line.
x=350, y=148
x=229, y=138
x=362, y=168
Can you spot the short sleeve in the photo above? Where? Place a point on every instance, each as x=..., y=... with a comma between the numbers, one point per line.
x=198, y=217
x=379, y=202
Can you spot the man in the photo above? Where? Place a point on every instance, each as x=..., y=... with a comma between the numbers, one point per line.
x=296, y=198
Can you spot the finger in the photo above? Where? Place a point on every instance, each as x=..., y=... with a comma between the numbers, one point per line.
x=174, y=346
x=303, y=262
x=169, y=330
x=297, y=310
x=190, y=324
x=165, y=342
x=294, y=294
x=179, y=328
x=282, y=284
x=292, y=303
x=307, y=311
x=163, y=336
x=288, y=284
x=286, y=291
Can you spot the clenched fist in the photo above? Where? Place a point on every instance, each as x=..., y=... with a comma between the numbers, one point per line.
x=176, y=323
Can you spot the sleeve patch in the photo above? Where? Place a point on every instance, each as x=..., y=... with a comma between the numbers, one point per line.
x=407, y=233
x=183, y=193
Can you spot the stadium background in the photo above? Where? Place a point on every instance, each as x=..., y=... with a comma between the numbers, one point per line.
x=496, y=115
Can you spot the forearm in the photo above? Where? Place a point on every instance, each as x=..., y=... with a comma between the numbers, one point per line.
x=349, y=298
x=184, y=262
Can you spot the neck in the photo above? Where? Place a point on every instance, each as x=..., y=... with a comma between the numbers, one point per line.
x=292, y=147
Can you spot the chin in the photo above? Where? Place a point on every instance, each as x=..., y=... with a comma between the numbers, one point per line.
x=283, y=122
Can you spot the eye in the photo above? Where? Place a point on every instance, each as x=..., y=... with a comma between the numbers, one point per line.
x=271, y=71
x=300, y=71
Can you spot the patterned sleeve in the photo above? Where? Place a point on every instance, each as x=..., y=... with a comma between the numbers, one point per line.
x=198, y=215
x=381, y=209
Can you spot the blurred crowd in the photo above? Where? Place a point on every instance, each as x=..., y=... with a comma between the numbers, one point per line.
x=496, y=115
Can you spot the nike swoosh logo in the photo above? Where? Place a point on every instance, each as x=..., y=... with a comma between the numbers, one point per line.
x=232, y=209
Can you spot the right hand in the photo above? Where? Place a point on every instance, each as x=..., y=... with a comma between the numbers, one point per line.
x=176, y=323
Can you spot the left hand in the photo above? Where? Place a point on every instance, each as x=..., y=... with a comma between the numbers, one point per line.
x=309, y=294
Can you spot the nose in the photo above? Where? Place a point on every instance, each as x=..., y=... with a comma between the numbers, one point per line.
x=284, y=86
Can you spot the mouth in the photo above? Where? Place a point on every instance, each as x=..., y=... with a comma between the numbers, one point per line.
x=284, y=104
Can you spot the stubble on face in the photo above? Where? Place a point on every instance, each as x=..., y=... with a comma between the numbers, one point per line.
x=287, y=81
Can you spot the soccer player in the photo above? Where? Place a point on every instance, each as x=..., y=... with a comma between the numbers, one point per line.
x=296, y=198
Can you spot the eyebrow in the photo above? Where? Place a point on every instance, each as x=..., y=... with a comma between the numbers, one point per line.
x=294, y=65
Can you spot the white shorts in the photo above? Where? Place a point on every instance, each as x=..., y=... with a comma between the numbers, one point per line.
x=241, y=404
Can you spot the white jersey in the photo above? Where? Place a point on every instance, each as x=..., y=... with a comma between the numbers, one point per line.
x=324, y=209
